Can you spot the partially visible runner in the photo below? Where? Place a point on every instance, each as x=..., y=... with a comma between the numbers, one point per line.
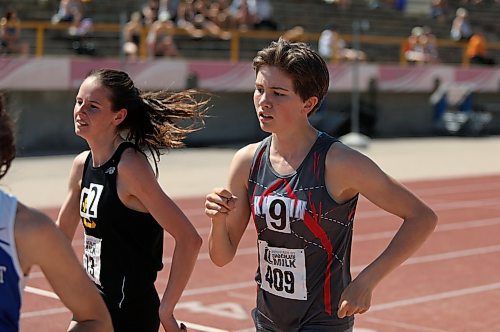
x=114, y=192
x=301, y=187
x=28, y=237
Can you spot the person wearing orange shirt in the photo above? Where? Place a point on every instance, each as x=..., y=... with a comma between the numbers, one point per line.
x=477, y=50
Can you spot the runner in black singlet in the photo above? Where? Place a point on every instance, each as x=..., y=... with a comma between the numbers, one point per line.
x=114, y=192
x=300, y=187
x=123, y=248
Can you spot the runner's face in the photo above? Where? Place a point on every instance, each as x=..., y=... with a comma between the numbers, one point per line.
x=276, y=103
x=92, y=113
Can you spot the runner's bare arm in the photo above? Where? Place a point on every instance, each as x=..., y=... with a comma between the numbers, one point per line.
x=69, y=215
x=39, y=242
x=350, y=172
x=147, y=193
x=229, y=209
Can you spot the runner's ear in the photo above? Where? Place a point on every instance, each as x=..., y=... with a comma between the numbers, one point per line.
x=309, y=104
x=120, y=116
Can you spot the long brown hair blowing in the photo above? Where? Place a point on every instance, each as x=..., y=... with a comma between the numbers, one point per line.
x=155, y=120
x=7, y=142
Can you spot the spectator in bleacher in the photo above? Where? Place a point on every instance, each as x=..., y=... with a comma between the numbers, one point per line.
x=439, y=10
x=132, y=35
x=150, y=11
x=477, y=49
x=264, y=15
x=215, y=13
x=252, y=14
x=218, y=12
x=430, y=44
x=193, y=17
x=413, y=49
x=421, y=47
x=333, y=48
x=460, y=27
x=186, y=19
x=170, y=7
x=70, y=11
x=160, y=38
x=241, y=17
x=10, y=34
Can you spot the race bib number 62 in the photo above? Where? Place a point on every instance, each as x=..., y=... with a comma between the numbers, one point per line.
x=283, y=271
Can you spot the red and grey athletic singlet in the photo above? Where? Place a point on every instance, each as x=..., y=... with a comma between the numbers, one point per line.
x=123, y=247
x=304, y=241
x=11, y=276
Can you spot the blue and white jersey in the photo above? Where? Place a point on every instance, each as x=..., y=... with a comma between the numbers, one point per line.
x=11, y=276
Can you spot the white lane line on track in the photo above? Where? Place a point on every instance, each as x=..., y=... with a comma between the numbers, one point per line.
x=437, y=207
x=372, y=236
x=440, y=228
x=457, y=189
x=356, y=238
x=219, y=288
x=405, y=326
x=374, y=308
x=442, y=256
x=202, y=328
x=425, y=299
x=355, y=269
x=435, y=297
x=47, y=312
x=60, y=310
x=42, y=292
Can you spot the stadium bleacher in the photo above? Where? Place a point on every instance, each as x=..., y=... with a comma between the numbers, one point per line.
x=312, y=15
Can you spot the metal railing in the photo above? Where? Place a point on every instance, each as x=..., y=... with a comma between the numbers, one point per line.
x=41, y=27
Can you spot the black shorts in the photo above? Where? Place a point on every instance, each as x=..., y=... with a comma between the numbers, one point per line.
x=134, y=313
x=264, y=324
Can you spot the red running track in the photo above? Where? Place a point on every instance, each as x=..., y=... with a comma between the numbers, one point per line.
x=451, y=284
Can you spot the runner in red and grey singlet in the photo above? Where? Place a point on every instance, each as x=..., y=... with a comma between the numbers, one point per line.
x=304, y=242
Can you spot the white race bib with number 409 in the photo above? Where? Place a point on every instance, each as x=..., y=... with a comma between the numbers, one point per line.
x=92, y=258
x=283, y=271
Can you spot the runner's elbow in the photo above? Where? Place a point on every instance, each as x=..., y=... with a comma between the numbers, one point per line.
x=220, y=260
x=195, y=242
x=429, y=219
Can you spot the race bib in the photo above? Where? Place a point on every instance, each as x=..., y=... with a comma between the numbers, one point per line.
x=283, y=271
x=92, y=258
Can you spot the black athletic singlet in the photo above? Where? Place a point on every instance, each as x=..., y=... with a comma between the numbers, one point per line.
x=304, y=242
x=123, y=247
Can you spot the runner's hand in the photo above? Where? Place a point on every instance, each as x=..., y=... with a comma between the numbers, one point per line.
x=170, y=325
x=219, y=202
x=355, y=299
